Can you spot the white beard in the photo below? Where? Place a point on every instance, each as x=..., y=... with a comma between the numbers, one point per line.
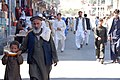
x=36, y=30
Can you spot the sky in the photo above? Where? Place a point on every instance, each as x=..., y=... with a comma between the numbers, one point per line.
x=66, y=4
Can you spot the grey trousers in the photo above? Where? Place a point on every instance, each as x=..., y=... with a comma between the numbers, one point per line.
x=100, y=50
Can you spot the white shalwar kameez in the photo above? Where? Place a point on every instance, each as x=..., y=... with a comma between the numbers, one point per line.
x=59, y=35
x=80, y=34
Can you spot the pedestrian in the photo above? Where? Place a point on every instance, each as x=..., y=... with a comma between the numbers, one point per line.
x=105, y=21
x=88, y=27
x=49, y=24
x=71, y=23
x=59, y=26
x=114, y=35
x=79, y=31
x=20, y=27
x=12, y=62
x=67, y=22
x=96, y=21
x=23, y=16
x=100, y=33
x=41, y=50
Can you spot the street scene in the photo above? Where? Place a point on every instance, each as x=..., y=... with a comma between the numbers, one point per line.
x=59, y=39
x=77, y=64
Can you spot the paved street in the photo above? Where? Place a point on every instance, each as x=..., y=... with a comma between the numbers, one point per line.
x=77, y=64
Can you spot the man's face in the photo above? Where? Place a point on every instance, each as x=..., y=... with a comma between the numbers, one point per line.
x=59, y=16
x=36, y=24
x=116, y=15
x=80, y=14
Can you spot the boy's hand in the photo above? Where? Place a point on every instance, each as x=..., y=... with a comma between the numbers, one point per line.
x=7, y=54
x=59, y=29
x=19, y=52
x=99, y=38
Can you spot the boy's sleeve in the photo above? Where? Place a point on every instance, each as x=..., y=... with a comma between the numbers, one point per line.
x=4, y=60
x=95, y=33
x=20, y=59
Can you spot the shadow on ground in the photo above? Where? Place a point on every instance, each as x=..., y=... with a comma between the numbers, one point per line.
x=85, y=79
x=81, y=79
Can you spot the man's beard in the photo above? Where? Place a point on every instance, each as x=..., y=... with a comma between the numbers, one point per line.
x=36, y=30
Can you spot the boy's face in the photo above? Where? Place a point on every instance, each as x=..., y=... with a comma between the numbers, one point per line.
x=14, y=48
x=100, y=23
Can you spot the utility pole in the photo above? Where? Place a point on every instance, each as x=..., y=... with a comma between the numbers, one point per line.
x=9, y=12
x=117, y=4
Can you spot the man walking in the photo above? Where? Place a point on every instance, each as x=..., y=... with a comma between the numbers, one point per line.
x=79, y=31
x=41, y=50
x=59, y=26
x=114, y=35
x=87, y=28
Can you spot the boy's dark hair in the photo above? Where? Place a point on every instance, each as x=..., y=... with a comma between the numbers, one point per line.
x=85, y=15
x=97, y=17
x=101, y=20
x=116, y=11
x=14, y=43
x=59, y=14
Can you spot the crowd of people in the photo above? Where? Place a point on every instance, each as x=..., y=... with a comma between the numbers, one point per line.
x=42, y=40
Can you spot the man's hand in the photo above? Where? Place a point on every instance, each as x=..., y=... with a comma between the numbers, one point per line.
x=86, y=31
x=55, y=63
x=59, y=29
x=109, y=38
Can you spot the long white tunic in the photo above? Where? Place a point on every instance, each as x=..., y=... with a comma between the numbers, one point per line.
x=79, y=27
x=59, y=34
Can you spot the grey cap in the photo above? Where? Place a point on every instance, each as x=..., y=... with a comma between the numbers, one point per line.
x=36, y=17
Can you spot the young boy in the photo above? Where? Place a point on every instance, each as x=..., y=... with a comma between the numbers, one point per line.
x=12, y=62
x=100, y=34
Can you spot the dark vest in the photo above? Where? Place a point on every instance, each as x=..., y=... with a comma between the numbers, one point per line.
x=88, y=23
x=77, y=22
x=46, y=49
x=115, y=28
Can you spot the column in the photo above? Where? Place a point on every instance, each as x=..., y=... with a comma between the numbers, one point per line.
x=19, y=3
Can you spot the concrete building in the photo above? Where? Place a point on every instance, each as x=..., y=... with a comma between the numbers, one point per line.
x=105, y=7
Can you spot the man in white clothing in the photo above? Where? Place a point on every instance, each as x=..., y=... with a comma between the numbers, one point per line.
x=79, y=31
x=59, y=26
